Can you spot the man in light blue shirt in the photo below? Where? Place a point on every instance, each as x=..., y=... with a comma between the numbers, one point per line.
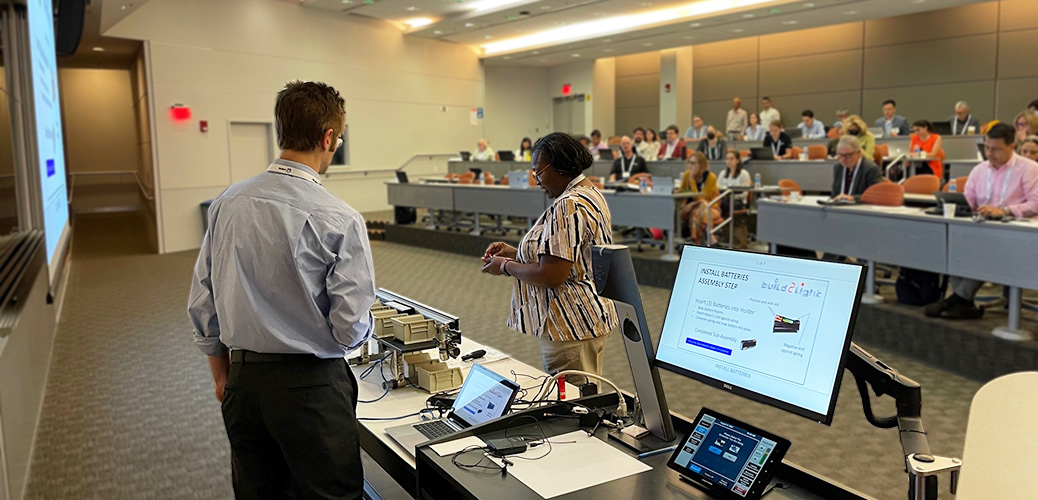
x=281, y=292
x=811, y=128
x=697, y=132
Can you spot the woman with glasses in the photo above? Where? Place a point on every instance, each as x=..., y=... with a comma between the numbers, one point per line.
x=1028, y=148
x=553, y=294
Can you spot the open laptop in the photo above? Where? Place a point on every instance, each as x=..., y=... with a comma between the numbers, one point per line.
x=605, y=154
x=983, y=152
x=401, y=177
x=465, y=155
x=506, y=155
x=795, y=133
x=942, y=128
x=962, y=206
x=484, y=396
x=763, y=154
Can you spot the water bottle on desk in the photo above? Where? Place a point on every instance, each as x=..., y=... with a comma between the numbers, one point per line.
x=756, y=180
x=917, y=152
x=952, y=188
x=643, y=186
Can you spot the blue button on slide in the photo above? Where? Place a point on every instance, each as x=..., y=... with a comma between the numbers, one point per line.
x=695, y=468
x=707, y=346
x=715, y=450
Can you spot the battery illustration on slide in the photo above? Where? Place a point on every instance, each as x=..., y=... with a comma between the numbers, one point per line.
x=786, y=325
x=749, y=344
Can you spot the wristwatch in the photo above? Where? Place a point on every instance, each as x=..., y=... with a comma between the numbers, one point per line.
x=1006, y=211
x=504, y=267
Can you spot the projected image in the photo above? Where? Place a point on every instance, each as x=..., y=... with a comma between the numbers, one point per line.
x=47, y=104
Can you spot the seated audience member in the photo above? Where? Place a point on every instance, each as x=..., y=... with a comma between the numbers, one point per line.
x=769, y=114
x=1005, y=184
x=597, y=144
x=854, y=173
x=811, y=128
x=962, y=120
x=736, y=121
x=1033, y=106
x=483, y=151
x=1028, y=148
x=892, y=123
x=735, y=175
x=777, y=140
x=697, y=131
x=854, y=126
x=652, y=146
x=929, y=143
x=1026, y=125
x=674, y=148
x=628, y=163
x=756, y=131
x=697, y=178
x=714, y=147
x=641, y=147
x=584, y=141
x=841, y=115
x=525, y=150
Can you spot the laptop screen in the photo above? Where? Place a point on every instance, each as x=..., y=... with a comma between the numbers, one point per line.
x=484, y=396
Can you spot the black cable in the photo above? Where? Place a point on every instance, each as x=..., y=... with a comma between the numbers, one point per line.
x=479, y=463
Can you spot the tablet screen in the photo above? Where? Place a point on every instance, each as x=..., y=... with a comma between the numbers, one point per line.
x=725, y=455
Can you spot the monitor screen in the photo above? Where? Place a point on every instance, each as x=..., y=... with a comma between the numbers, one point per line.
x=771, y=328
x=484, y=396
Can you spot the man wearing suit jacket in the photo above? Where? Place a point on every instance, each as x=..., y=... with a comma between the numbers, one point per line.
x=855, y=173
x=892, y=123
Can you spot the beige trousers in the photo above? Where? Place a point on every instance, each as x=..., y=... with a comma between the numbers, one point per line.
x=583, y=355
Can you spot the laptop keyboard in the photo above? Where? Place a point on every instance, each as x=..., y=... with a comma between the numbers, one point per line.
x=434, y=429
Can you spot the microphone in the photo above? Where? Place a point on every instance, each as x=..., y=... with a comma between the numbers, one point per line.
x=478, y=353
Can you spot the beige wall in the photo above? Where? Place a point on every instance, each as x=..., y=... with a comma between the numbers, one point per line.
x=145, y=163
x=517, y=106
x=637, y=92
x=228, y=59
x=981, y=53
x=100, y=127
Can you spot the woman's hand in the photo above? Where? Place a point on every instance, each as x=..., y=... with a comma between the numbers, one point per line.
x=499, y=249
x=493, y=265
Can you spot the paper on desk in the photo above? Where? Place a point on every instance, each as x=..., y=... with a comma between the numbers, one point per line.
x=452, y=447
x=570, y=467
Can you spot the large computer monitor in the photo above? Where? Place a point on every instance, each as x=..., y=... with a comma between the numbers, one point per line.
x=770, y=328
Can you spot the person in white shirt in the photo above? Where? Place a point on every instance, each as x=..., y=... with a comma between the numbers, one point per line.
x=483, y=151
x=524, y=151
x=811, y=128
x=642, y=147
x=597, y=144
x=697, y=131
x=652, y=145
x=737, y=120
x=769, y=114
x=735, y=175
x=755, y=132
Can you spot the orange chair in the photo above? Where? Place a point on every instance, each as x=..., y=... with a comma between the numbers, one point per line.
x=882, y=150
x=497, y=156
x=921, y=184
x=793, y=153
x=833, y=133
x=467, y=178
x=744, y=154
x=817, y=152
x=614, y=140
x=452, y=177
x=886, y=194
x=488, y=178
x=788, y=186
x=960, y=184
x=504, y=181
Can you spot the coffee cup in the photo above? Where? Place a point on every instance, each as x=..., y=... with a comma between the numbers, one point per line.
x=949, y=210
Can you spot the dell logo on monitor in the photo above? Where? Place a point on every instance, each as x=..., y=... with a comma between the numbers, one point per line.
x=727, y=387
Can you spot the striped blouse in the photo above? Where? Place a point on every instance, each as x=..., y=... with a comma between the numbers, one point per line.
x=577, y=220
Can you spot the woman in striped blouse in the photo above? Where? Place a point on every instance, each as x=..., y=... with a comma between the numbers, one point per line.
x=554, y=296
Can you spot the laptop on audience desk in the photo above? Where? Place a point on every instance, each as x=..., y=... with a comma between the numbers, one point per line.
x=942, y=128
x=401, y=177
x=506, y=155
x=795, y=133
x=484, y=396
x=465, y=155
x=605, y=154
x=962, y=207
x=763, y=154
x=983, y=152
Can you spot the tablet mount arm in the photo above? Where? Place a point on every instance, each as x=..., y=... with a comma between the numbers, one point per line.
x=919, y=463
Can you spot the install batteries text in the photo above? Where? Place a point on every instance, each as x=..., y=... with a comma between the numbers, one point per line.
x=722, y=274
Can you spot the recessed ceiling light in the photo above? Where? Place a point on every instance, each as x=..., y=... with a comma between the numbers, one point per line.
x=647, y=44
x=347, y=2
x=789, y=22
x=695, y=25
x=99, y=49
x=646, y=4
x=536, y=52
x=737, y=30
x=808, y=5
x=850, y=13
x=488, y=37
x=412, y=8
x=546, y=7
x=575, y=55
x=918, y=1
x=437, y=32
x=747, y=16
x=507, y=57
x=469, y=25
x=598, y=14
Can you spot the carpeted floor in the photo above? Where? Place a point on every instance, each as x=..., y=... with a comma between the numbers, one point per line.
x=129, y=411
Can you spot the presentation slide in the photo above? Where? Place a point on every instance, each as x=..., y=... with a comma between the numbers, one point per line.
x=773, y=325
x=47, y=103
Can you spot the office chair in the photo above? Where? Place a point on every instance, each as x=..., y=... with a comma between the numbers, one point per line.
x=921, y=184
x=884, y=194
x=788, y=186
x=817, y=152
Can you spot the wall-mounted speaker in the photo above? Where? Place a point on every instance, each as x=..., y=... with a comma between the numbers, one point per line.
x=68, y=25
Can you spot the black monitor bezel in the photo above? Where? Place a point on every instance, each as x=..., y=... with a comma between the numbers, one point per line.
x=826, y=418
x=457, y=418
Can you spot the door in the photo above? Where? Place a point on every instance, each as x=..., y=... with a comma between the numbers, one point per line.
x=251, y=149
x=560, y=114
x=576, y=115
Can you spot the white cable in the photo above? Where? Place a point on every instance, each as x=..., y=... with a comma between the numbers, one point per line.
x=621, y=409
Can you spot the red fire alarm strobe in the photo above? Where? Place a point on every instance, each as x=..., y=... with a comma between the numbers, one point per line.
x=566, y=89
x=203, y=126
x=666, y=88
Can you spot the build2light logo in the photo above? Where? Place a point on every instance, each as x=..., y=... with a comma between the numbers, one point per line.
x=801, y=288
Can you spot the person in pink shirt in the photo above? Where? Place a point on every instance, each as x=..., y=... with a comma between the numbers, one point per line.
x=1004, y=185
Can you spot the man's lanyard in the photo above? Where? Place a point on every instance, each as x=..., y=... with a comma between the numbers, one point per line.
x=847, y=189
x=776, y=146
x=965, y=126
x=1005, y=187
x=281, y=168
x=625, y=168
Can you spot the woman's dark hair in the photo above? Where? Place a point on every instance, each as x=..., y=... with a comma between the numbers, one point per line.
x=738, y=166
x=751, y=116
x=522, y=144
x=924, y=124
x=655, y=136
x=564, y=153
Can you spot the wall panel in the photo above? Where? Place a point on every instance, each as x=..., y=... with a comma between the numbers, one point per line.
x=829, y=72
x=811, y=41
x=967, y=20
x=724, y=82
x=940, y=61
